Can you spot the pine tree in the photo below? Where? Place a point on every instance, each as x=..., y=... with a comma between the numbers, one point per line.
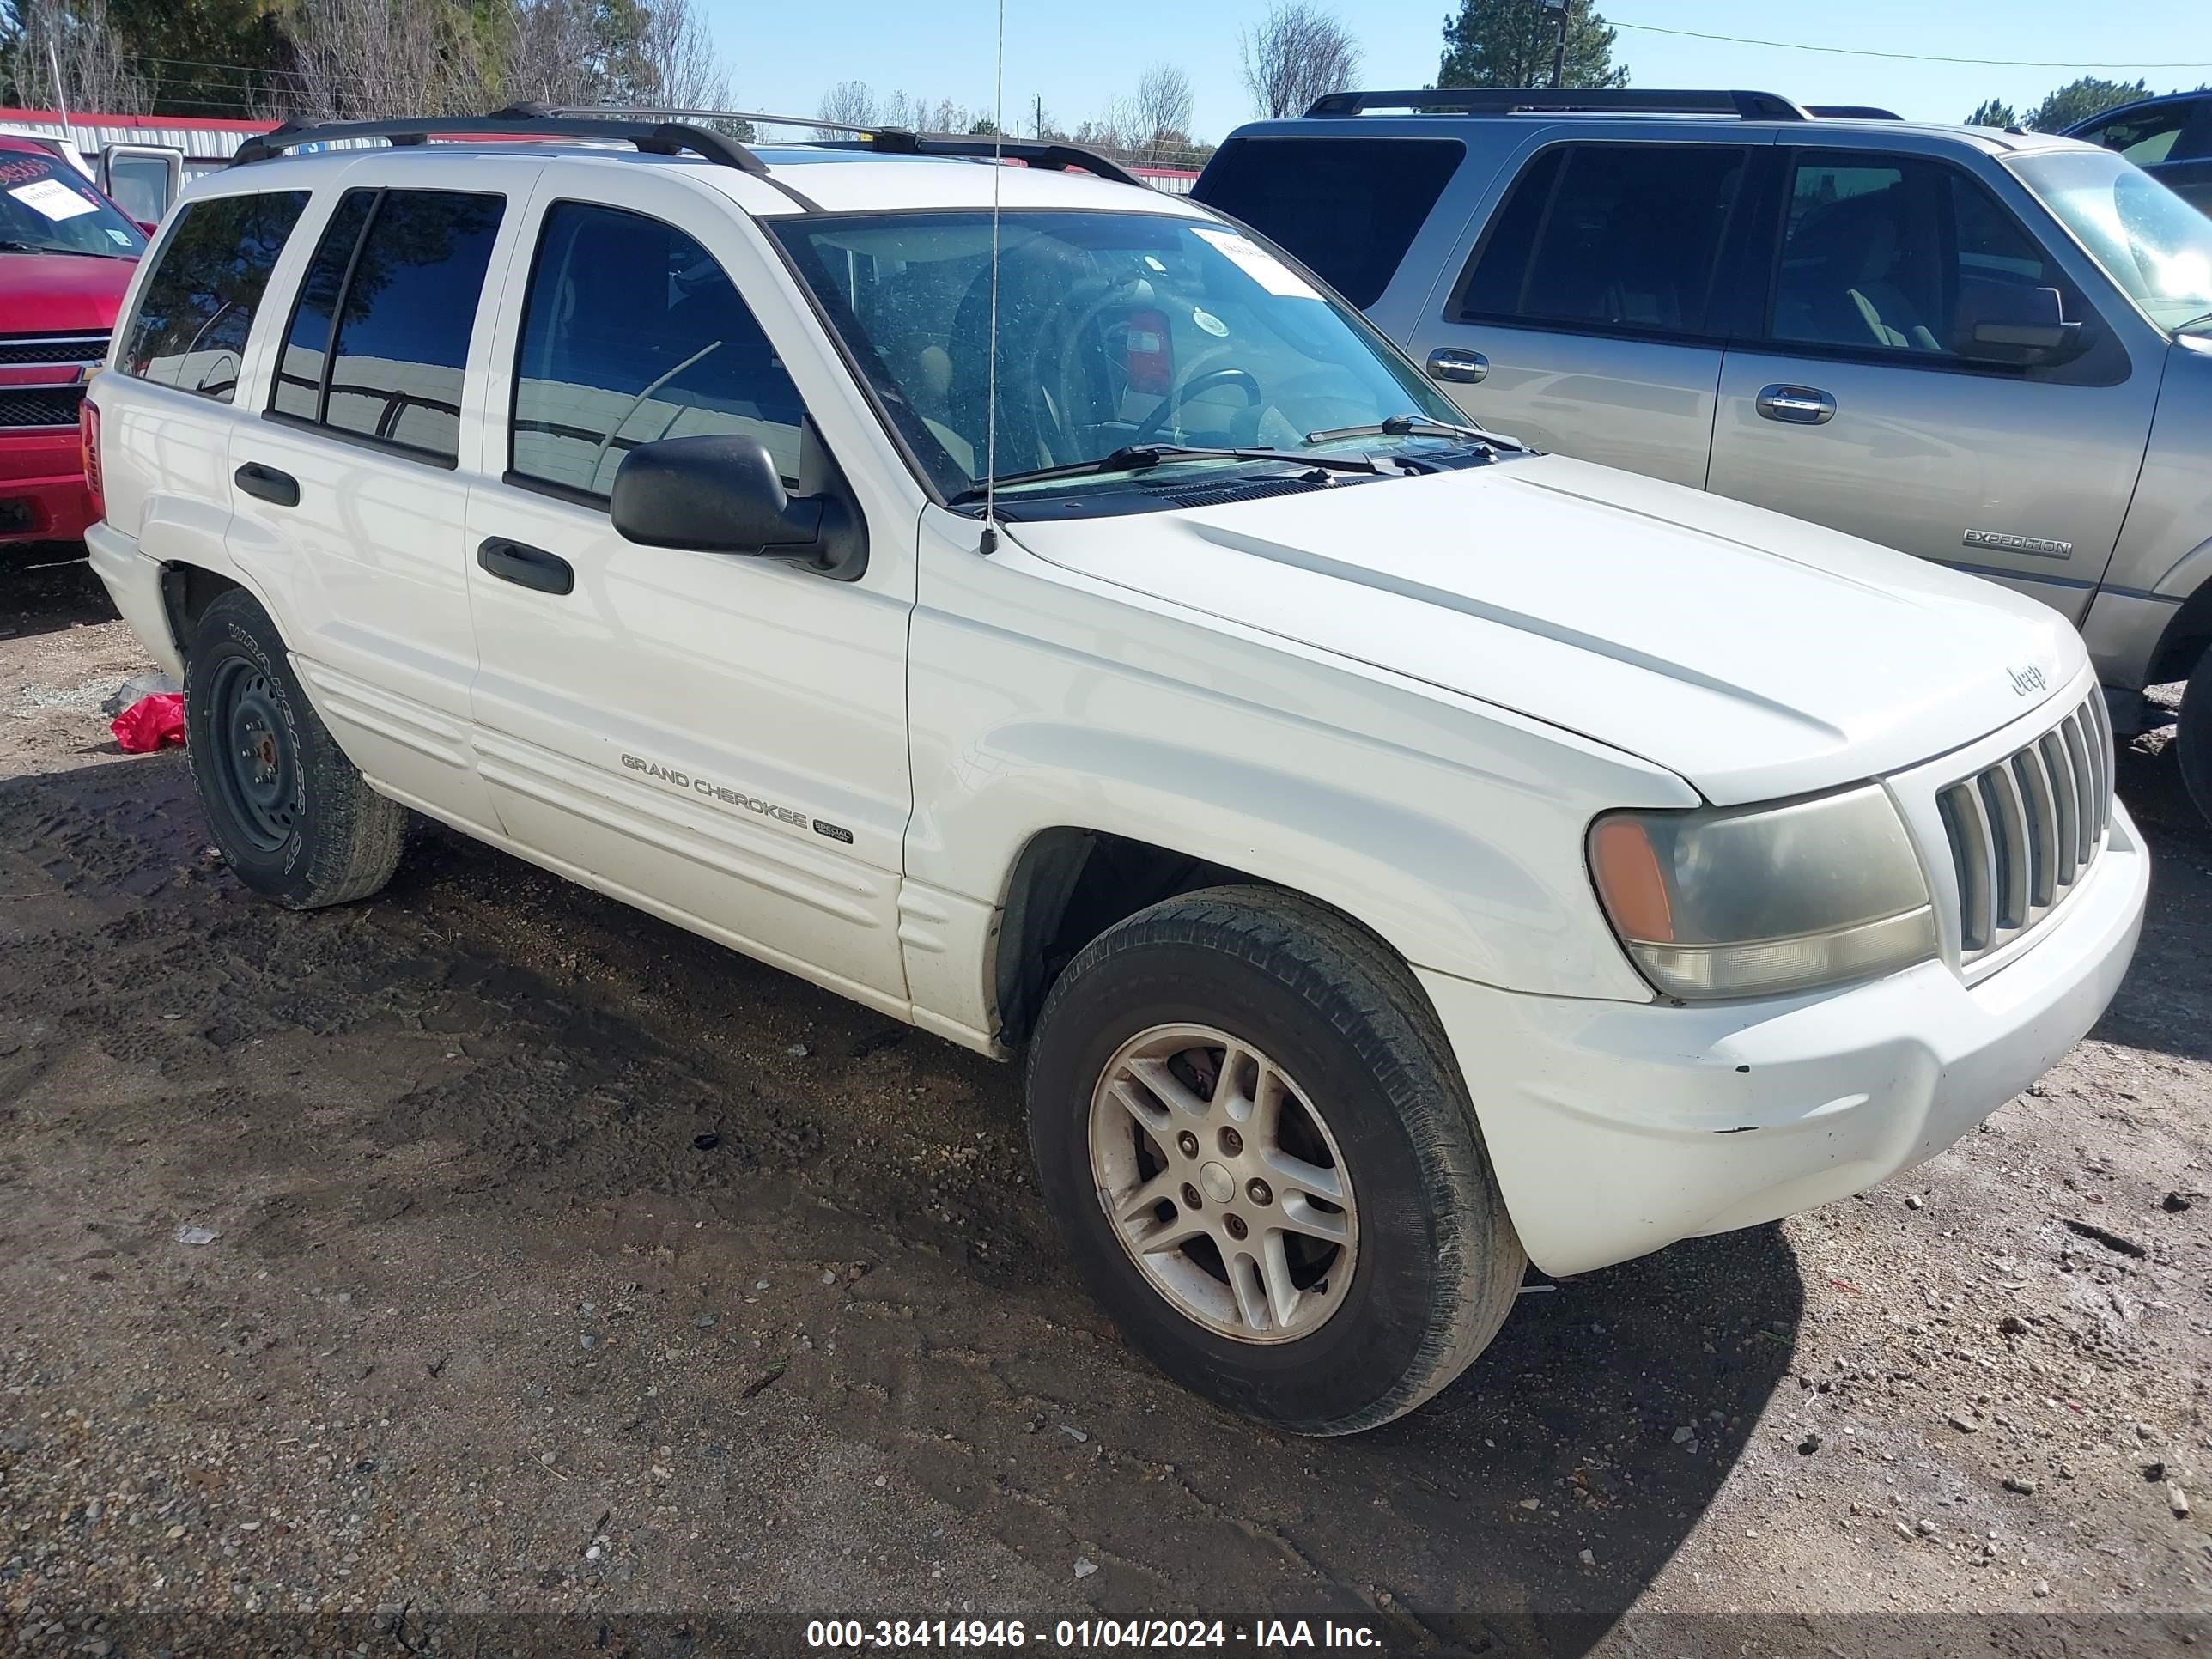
x=1508, y=43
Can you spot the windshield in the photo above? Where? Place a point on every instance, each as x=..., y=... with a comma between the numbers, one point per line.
x=46, y=206
x=2155, y=246
x=1114, y=329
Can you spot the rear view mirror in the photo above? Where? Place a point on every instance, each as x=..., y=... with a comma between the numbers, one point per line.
x=722, y=493
x=2004, y=323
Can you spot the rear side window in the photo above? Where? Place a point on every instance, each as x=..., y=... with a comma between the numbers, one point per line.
x=198, y=302
x=631, y=332
x=381, y=327
x=1348, y=207
x=1617, y=237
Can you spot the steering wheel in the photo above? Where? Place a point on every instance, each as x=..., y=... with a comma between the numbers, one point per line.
x=1184, y=389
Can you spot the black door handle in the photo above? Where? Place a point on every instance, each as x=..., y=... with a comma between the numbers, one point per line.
x=530, y=566
x=280, y=488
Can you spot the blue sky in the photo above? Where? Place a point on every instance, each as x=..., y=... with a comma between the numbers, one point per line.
x=1080, y=56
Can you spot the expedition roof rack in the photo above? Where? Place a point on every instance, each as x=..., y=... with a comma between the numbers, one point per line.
x=898, y=140
x=1610, y=101
x=1852, y=112
x=519, y=120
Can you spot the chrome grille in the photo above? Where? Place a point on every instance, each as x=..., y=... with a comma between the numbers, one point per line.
x=86, y=348
x=2025, y=831
x=39, y=405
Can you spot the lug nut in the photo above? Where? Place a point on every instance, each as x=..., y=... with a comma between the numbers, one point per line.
x=1188, y=1142
x=1259, y=1192
x=1235, y=1224
x=1232, y=1142
x=1190, y=1197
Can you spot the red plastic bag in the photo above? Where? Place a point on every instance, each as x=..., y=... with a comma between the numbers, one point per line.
x=151, y=723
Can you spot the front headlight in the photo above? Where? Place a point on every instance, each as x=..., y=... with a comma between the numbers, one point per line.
x=1764, y=900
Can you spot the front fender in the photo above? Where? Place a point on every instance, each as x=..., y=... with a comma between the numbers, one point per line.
x=1455, y=831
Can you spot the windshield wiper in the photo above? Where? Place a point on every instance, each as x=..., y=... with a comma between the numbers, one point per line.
x=2194, y=322
x=1139, y=457
x=1413, y=426
x=12, y=246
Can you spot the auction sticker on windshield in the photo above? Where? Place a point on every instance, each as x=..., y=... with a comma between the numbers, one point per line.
x=1261, y=266
x=52, y=198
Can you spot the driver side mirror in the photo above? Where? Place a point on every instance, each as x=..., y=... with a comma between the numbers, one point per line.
x=2005, y=323
x=721, y=493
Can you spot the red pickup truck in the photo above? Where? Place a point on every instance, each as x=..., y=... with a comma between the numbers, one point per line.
x=66, y=256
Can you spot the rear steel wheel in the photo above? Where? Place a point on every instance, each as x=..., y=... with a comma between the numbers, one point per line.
x=257, y=765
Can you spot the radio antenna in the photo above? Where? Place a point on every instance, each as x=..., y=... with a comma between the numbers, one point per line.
x=989, y=543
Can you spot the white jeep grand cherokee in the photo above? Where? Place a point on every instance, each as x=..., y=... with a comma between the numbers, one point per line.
x=1393, y=851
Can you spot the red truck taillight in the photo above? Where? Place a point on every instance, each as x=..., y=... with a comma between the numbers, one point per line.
x=88, y=437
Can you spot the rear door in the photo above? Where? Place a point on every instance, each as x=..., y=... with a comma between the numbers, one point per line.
x=1582, y=316
x=1859, y=400
x=349, y=498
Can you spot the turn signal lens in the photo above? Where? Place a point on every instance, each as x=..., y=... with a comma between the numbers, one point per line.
x=1629, y=878
x=1767, y=900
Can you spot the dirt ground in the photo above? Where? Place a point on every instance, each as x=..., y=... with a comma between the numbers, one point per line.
x=578, y=1286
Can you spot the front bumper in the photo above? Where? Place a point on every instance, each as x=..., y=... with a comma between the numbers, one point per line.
x=42, y=493
x=1616, y=1128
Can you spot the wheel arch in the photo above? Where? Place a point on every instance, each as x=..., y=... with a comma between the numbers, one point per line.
x=1068, y=883
x=2188, y=635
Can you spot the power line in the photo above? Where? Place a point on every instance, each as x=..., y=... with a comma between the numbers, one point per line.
x=1906, y=57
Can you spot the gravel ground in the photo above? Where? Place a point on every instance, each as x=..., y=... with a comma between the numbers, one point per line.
x=575, y=1285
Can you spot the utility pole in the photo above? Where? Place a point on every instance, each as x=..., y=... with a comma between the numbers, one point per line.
x=1040, y=119
x=1558, y=9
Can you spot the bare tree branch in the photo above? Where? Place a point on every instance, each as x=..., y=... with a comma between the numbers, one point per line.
x=97, y=74
x=1158, y=117
x=1298, y=51
x=356, y=58
x=680, y=55
x=852, y=103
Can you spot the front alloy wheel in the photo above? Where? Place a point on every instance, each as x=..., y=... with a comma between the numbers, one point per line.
x=1223, y=1184
x=1258, y=1147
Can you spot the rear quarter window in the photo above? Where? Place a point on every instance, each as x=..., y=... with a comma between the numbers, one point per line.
x=1348, y=207
x=197, y=304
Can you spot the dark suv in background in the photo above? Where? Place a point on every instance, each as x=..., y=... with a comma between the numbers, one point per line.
x=2169, y=139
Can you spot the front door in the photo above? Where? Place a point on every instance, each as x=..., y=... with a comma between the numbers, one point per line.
x=1869, y=406
x=1585, y=321
x=718, y=738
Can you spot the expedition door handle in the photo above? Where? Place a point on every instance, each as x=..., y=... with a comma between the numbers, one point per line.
x=1451, y=363
x=526, y=565
x=266, y=482
x=1799, y=406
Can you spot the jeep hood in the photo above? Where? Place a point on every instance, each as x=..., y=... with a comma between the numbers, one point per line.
x=1753, y=654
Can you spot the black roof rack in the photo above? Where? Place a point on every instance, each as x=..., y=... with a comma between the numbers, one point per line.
x=1610, y=100
x=517, y=120
x=899, y=140
x=1852, y=112
x=1062, y=158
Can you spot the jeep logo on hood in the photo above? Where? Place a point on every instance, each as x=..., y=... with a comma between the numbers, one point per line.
x=2027, y=680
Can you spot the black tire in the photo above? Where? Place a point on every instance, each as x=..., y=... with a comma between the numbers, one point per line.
x=2194, y=735
x=294, y=819
x=1437, y=1261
